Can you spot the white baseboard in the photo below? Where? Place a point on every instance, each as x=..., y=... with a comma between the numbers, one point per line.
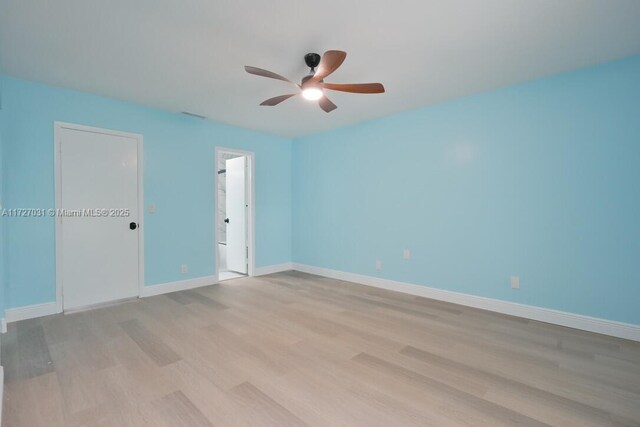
x=270, y=269
x=180, y=285
x=556, y=317
x=31, y=311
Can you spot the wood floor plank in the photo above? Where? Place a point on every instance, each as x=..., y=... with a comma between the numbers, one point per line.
x=347, y=394
x=150, y=343
x=214, y=402
x=264, y=410
x=575, y=413
x=25, y=352
x=176, y=409
x=499, y=412
x=34, y=401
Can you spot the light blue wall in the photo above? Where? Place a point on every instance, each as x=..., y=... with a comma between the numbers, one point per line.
x=2, y=220
x=540, y=180
x=178, y=178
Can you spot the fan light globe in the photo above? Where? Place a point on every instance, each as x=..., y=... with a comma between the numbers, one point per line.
x=312, y=94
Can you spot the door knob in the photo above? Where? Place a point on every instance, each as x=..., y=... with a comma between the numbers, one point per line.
x=226, y=220
x=133, y=225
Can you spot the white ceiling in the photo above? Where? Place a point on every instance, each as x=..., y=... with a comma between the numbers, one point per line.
x=188, y=55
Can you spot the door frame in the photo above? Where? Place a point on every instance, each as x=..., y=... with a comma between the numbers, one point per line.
x=251, y=214
x=57, y=132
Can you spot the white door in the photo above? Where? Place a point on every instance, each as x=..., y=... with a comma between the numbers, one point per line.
x=236, y=214
x=99, y=253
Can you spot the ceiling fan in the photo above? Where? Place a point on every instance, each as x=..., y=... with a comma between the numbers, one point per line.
x=312, y=85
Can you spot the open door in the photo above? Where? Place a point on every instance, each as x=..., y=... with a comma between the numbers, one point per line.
x=236, y=205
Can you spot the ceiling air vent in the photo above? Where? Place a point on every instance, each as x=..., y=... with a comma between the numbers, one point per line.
x=186, y=113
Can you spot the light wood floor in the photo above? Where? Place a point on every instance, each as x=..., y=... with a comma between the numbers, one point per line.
x=293, y=349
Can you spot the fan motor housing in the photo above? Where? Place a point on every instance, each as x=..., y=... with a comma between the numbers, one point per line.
x=305, y=79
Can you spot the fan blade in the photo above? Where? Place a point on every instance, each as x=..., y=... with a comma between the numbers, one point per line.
x=264, y=73
x=330, y=62
x=277, y=100
x=355, y=87
x=326, y=105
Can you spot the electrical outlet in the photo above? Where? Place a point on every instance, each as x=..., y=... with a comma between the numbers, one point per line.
x=406, y=254
x=184, y=269
x=378, y=265
x=152, y=208
x=515, y=282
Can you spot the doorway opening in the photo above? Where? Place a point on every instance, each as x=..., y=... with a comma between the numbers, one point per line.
x=234, y=214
